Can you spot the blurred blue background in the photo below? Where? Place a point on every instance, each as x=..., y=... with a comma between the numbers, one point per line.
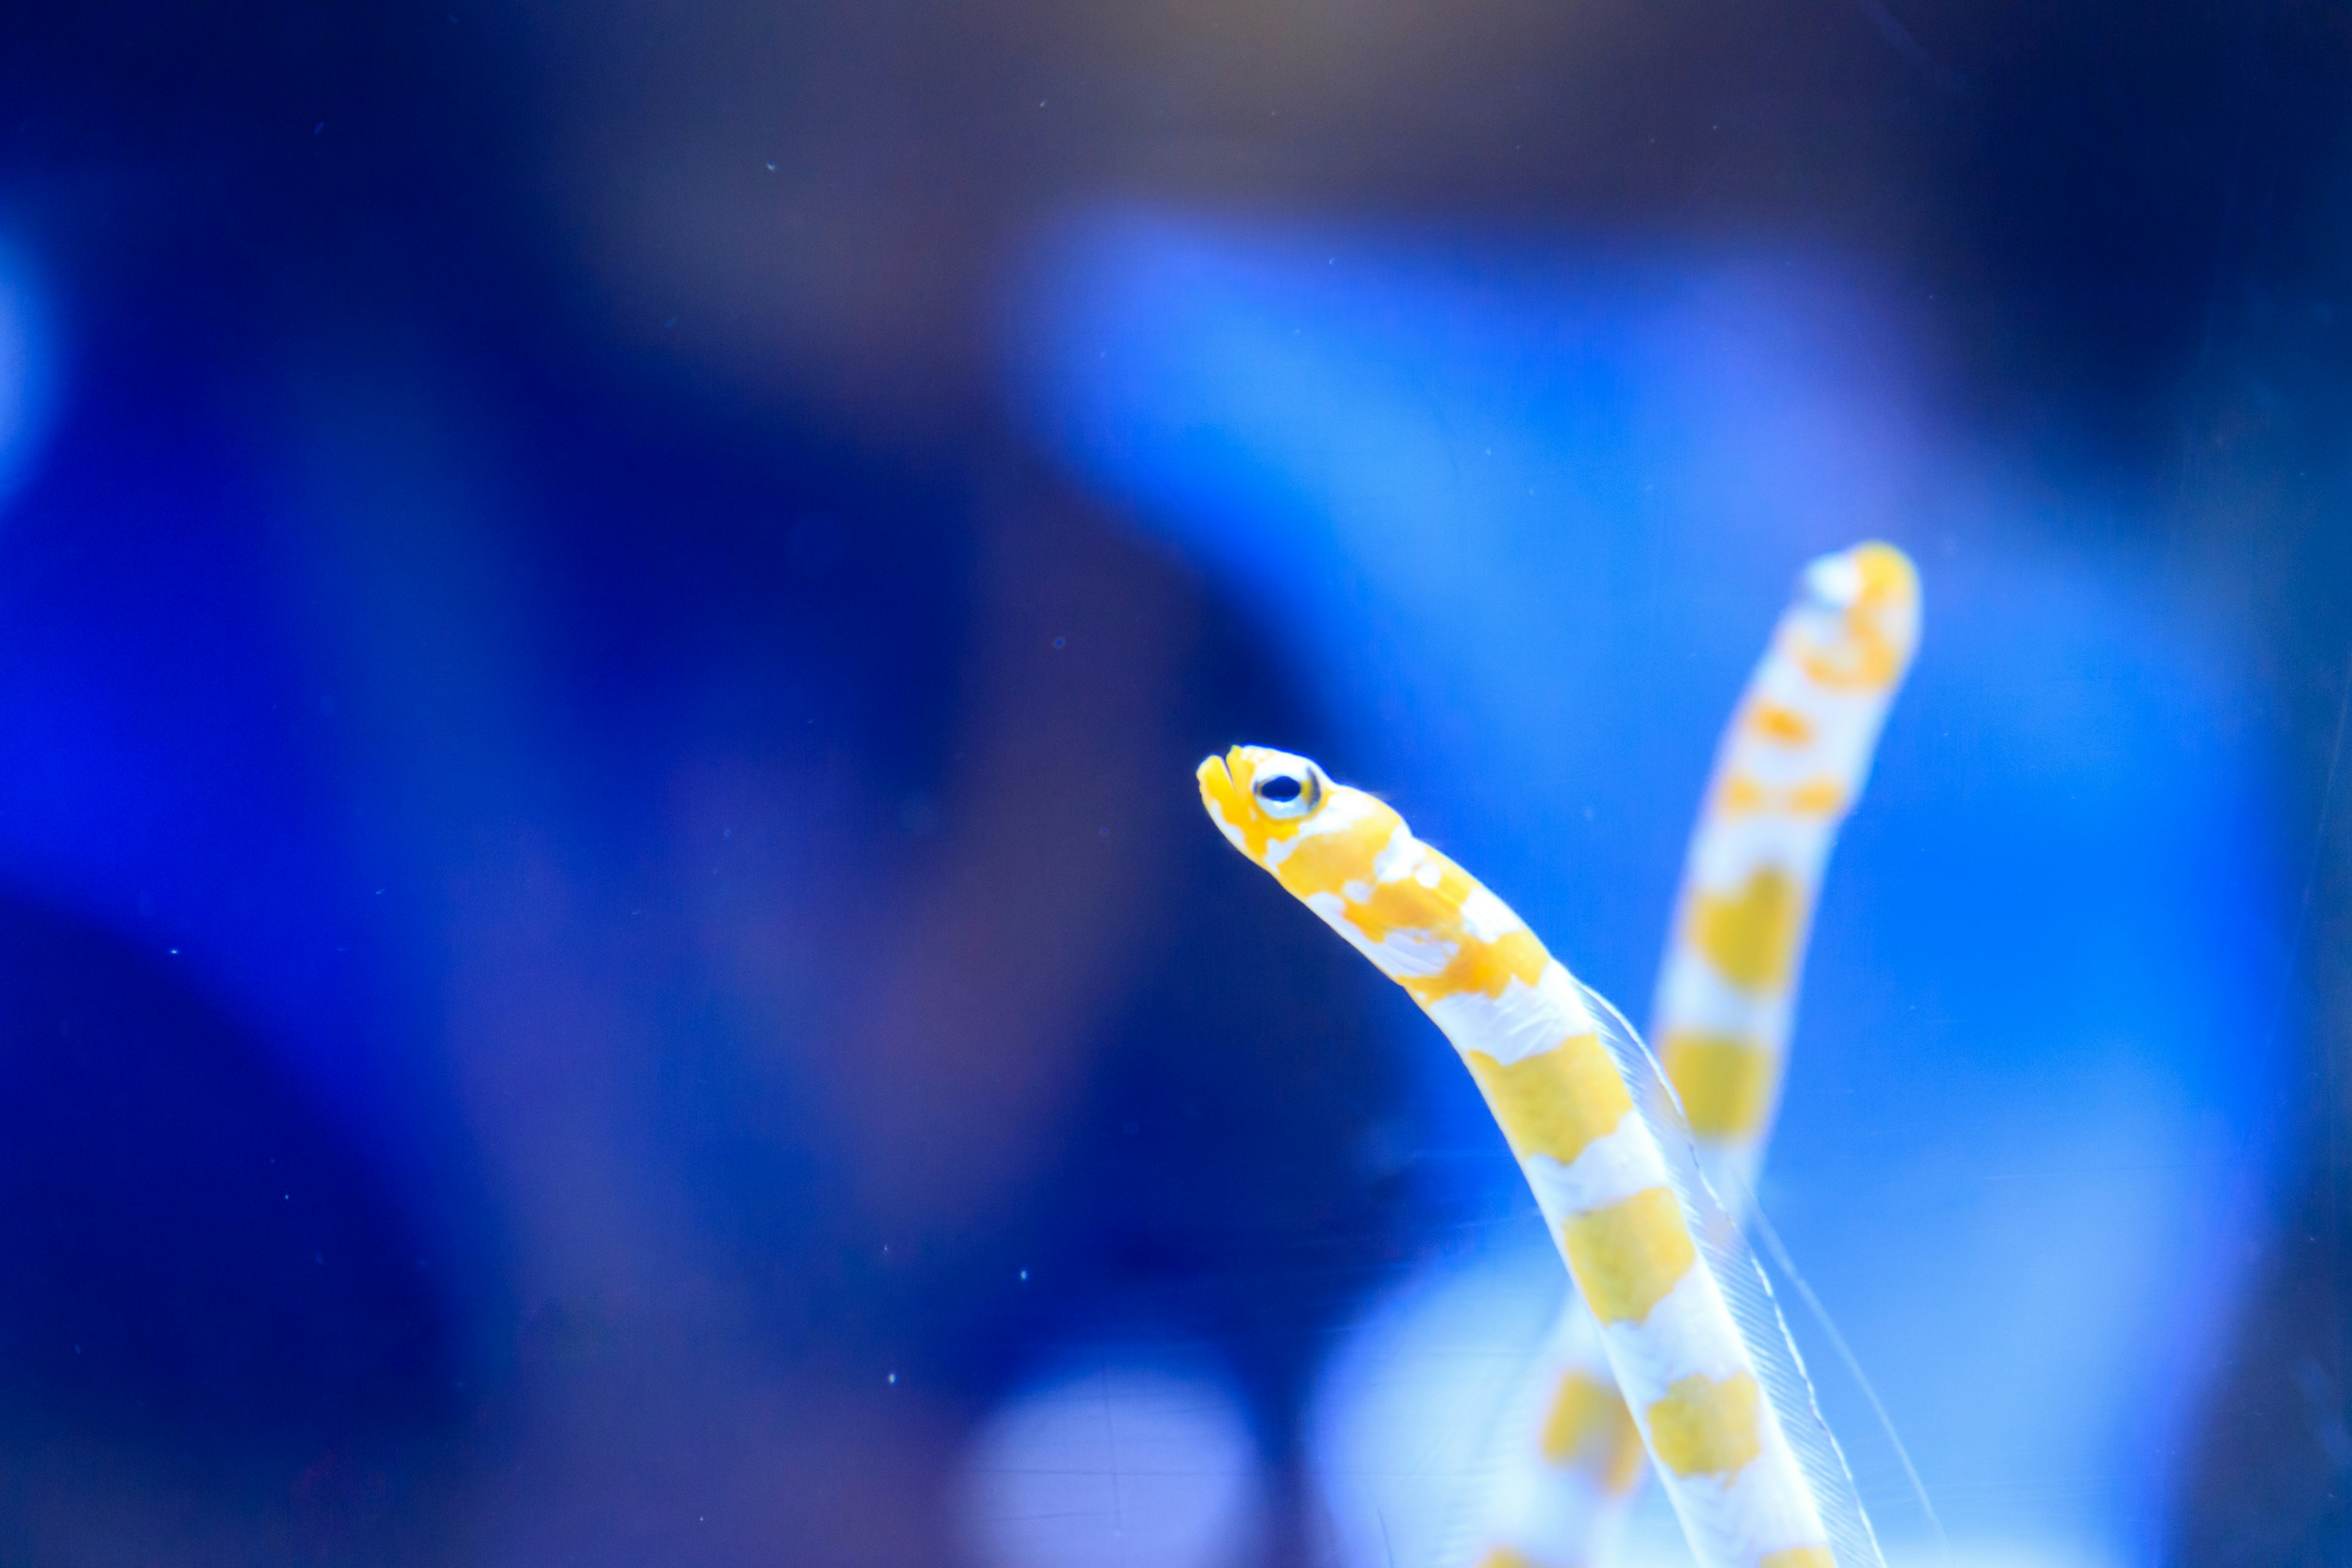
x=605, y=619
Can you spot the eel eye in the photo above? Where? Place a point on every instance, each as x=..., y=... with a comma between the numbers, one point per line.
x=1290, y=794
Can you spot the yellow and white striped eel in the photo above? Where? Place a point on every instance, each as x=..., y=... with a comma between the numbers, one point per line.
x=1790, y=765
x=1688, y=1326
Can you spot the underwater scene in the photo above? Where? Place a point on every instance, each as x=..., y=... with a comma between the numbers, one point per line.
x=1334, y=784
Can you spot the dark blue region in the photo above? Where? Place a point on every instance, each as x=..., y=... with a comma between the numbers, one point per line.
x=203, y=1284
x=489, y=772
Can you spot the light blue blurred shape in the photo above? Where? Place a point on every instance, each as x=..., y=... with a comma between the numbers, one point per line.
x=1519, y=520
x=1120, y=1453
x=24, y=368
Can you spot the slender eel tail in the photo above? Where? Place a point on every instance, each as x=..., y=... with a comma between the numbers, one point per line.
x=1713, y=1384
x=1790, y=766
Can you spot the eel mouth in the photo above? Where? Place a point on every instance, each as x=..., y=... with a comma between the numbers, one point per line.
x=1222, y=793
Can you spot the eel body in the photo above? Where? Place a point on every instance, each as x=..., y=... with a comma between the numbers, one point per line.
x=1790, y=765
x=1710, y=1383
